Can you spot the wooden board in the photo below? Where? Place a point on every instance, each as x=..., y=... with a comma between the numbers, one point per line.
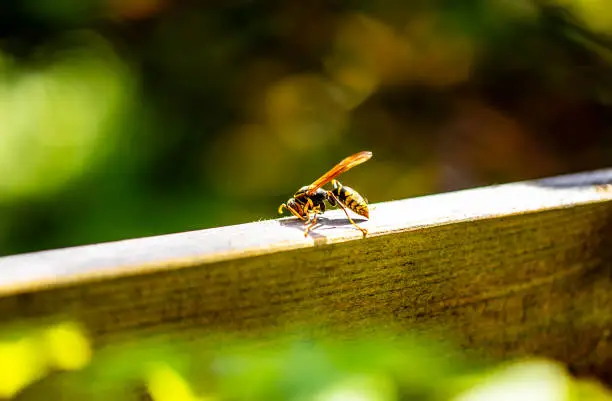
x=506, y=270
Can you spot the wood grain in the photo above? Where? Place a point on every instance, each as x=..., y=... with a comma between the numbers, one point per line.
x=509, y=270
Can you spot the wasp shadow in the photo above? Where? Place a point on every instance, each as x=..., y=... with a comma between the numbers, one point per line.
x=323, y=223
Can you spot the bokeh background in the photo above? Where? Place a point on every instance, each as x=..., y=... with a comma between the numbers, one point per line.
x=127, y=118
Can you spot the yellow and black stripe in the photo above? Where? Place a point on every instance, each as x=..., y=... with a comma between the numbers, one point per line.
x=351, y=199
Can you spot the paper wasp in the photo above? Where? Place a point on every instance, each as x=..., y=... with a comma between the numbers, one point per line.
x=309, y=201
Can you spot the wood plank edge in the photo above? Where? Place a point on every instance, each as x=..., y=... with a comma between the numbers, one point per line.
x=582, y=185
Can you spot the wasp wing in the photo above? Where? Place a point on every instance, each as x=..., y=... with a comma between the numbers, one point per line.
x=344, y=165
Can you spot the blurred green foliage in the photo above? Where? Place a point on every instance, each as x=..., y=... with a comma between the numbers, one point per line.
x=56, y=362
x=125, y=118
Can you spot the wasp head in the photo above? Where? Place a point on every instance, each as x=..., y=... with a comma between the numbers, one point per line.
x=294, y=207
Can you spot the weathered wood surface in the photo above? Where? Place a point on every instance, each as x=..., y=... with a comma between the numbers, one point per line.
x=506, y=270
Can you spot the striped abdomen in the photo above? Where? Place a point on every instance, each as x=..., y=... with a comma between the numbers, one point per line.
x=351, y=199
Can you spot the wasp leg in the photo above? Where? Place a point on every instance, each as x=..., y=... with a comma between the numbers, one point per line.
x=308, y=205
x=296, y=214
x=341, y=206
x=292, y=210
x=310, y=226
x=316, y=211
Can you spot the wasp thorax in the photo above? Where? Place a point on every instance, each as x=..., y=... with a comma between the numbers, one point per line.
x=301, y=191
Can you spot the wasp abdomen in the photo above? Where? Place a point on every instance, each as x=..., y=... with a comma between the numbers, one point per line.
x=351, y=199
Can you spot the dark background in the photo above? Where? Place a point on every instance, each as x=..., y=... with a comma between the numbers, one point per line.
x=126, y=118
